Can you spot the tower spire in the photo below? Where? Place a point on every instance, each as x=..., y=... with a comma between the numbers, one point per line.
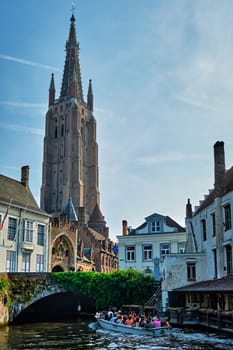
x=52, y=91
x=72, y=65
x=90, y=97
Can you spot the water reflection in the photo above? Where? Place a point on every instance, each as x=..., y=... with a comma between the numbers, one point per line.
x=81, y=334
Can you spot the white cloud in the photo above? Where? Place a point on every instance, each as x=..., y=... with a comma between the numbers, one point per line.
x=25, y=129
x=29, y=63
x=23, y=104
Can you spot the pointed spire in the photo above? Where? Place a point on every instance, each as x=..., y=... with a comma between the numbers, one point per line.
x=52, y=91
x=90, y=97
x=72, y=66
x=70, y=211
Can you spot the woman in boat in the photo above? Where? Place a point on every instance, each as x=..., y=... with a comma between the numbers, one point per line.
x=156, y=322
x=129, y=321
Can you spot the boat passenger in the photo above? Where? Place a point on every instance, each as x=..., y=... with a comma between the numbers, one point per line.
x=156, y=322
x=109, y=314
x=119, y=319
x=166, y=322
x=113, y=318
x=129, y=321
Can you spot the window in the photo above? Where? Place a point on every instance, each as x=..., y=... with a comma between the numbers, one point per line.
x=26, y=262
x=213, y=225
x=147, y=252
x=40, y=235
x=191, y=271
x=10, y=261
x=28, y=231
x=227, y=213
x=55, y=132
x=155, y=226
x=39, y=263
x=181, y=247
x=12, y=225
x=229, y=258
x=165, y=248
x=130, y=253
x=203, y=228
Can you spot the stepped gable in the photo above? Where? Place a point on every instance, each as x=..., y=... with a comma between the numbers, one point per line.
x=98, y=236
x=228, y=186
x=16, y=191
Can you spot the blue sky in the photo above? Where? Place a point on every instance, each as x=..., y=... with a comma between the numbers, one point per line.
x=163, y=86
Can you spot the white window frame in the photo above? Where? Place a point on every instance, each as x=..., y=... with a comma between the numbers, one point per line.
x=147, y=252
x=39, y=263
x=28, y=231
x=26, y=260
x=10, y=261
x=130, y=252
x=165, y=250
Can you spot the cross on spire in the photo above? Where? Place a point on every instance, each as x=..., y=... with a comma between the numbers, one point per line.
x=73, y=7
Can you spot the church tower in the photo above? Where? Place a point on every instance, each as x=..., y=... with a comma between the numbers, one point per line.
x=70, y=159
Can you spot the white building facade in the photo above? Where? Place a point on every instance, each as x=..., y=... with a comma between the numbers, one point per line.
x=145, y=247
x=24, y=228
x=208, y=251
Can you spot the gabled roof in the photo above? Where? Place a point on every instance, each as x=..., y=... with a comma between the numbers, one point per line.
x=228, y=187
x=14, y=192
x=224, y=284
x=168, y=221
x=96, y=215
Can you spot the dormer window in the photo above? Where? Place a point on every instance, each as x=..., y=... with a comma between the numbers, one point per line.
x=156, y=226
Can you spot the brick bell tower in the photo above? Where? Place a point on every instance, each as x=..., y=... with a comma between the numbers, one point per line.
x=70, y=159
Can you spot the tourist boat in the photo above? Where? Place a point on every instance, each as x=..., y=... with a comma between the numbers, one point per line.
x=122, y=328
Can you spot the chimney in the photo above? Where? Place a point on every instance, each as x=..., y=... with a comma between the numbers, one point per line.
x=219, y=167
x=25, y=176
x=124, y=228
x=188, y=210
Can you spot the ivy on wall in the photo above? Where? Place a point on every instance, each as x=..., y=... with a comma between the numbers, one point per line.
x=116, y=288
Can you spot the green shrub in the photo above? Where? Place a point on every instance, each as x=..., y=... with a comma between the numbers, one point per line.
x=117, y=288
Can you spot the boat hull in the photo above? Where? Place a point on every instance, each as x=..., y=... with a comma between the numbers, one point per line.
x=116, y=327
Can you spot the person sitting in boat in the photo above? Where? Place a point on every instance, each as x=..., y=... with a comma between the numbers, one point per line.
x=166, y=322
x=119, y=319
x=129, y=321
x=113, y=318
x=156, y=322
x=142, y=321
x=109, y=314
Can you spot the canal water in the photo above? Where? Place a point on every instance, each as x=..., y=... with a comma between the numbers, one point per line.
x=82, y=334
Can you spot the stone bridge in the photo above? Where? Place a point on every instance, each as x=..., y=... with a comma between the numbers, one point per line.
x=36, y=294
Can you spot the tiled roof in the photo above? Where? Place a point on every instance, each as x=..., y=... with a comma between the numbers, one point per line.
x=15, y=192
x=216, y=285
x=170, y=222
x=70, y=211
